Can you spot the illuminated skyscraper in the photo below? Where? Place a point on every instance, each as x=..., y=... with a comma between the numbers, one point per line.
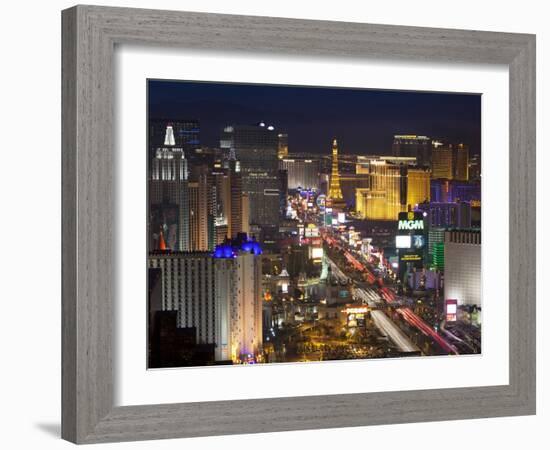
x=197, y=192
x=169, y=162
x=442, y=161
x=238, y=281
x=461, y=162
x=184, y=134
x=394, y=188
x=168, y=204
x=362, y=166
x=335, y=198
x=450, y=161
x=302, y=172
x=371, y=204
x=282, y=151
x=256, y=148
x=221, y=196
x=387, y=178
x=411, y=145
x=227, y=197
x=418, y=186
x=474, y=167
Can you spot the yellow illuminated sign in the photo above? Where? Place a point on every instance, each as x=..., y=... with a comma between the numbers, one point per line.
x=357, y=310
x=413, y=257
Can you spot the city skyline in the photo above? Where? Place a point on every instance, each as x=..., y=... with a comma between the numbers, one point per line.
x=260, y=251
x=363, y=120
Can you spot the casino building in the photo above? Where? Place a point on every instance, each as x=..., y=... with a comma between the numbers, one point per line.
x=394, y=188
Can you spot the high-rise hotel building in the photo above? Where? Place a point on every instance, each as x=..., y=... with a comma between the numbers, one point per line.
x=394, y=188
x=462, y=261
x=442, y=161
x=167, y=198
x=218, y=296
x=335, y=198
x=461, y=163
x=228, y=199
x=301, y=172
x=450, y=162
x=283, y=145
x=188, y=287
x=238, y=281
x=199, y=236
x=179, y=200
x=256, y=148
x=411, y=145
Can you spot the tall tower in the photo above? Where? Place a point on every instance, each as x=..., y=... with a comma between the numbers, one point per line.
x=335, y=197
x=254, y=149
x=461, y=162
x=442, y=161
x=169, y=136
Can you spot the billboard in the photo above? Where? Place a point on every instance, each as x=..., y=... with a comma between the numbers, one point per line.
x=316, y=252
x=418, y=241
x=356, y=316
x=411, y=257
x=403, y=241
x=451, y=308
x=311, y=230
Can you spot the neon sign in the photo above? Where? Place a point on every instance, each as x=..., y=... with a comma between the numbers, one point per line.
x=410, y=225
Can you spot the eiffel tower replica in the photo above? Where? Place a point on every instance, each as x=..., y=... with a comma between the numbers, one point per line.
x=335, y=200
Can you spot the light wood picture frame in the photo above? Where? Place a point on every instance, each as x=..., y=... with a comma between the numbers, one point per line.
x=90, y=34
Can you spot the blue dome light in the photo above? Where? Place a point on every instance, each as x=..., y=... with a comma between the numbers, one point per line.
x=224, y=251
x=230, y=250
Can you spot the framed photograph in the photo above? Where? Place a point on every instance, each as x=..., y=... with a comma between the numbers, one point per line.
x=268, y=230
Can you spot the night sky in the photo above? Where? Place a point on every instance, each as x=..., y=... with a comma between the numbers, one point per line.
x=364, y=121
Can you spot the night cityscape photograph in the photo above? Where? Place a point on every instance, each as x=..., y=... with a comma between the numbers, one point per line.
x=295, y=224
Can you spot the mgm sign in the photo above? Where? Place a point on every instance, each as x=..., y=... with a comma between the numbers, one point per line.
x=410, y=221
x=411, y=240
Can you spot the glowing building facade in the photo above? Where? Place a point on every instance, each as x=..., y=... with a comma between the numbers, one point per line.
x=442, y=161
x=450, y=162
x=282, y=151
x=461, y=163
x=238, y=281
x=227, y=199
x=198, y=217
x=462, y=262
x=394, y=188
x=418, y=186
x=302, y=173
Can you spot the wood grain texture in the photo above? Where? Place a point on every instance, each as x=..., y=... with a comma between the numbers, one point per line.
x=89, y=36
x=68, y=225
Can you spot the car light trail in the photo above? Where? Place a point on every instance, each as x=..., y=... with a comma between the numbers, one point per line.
x=388, y=328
